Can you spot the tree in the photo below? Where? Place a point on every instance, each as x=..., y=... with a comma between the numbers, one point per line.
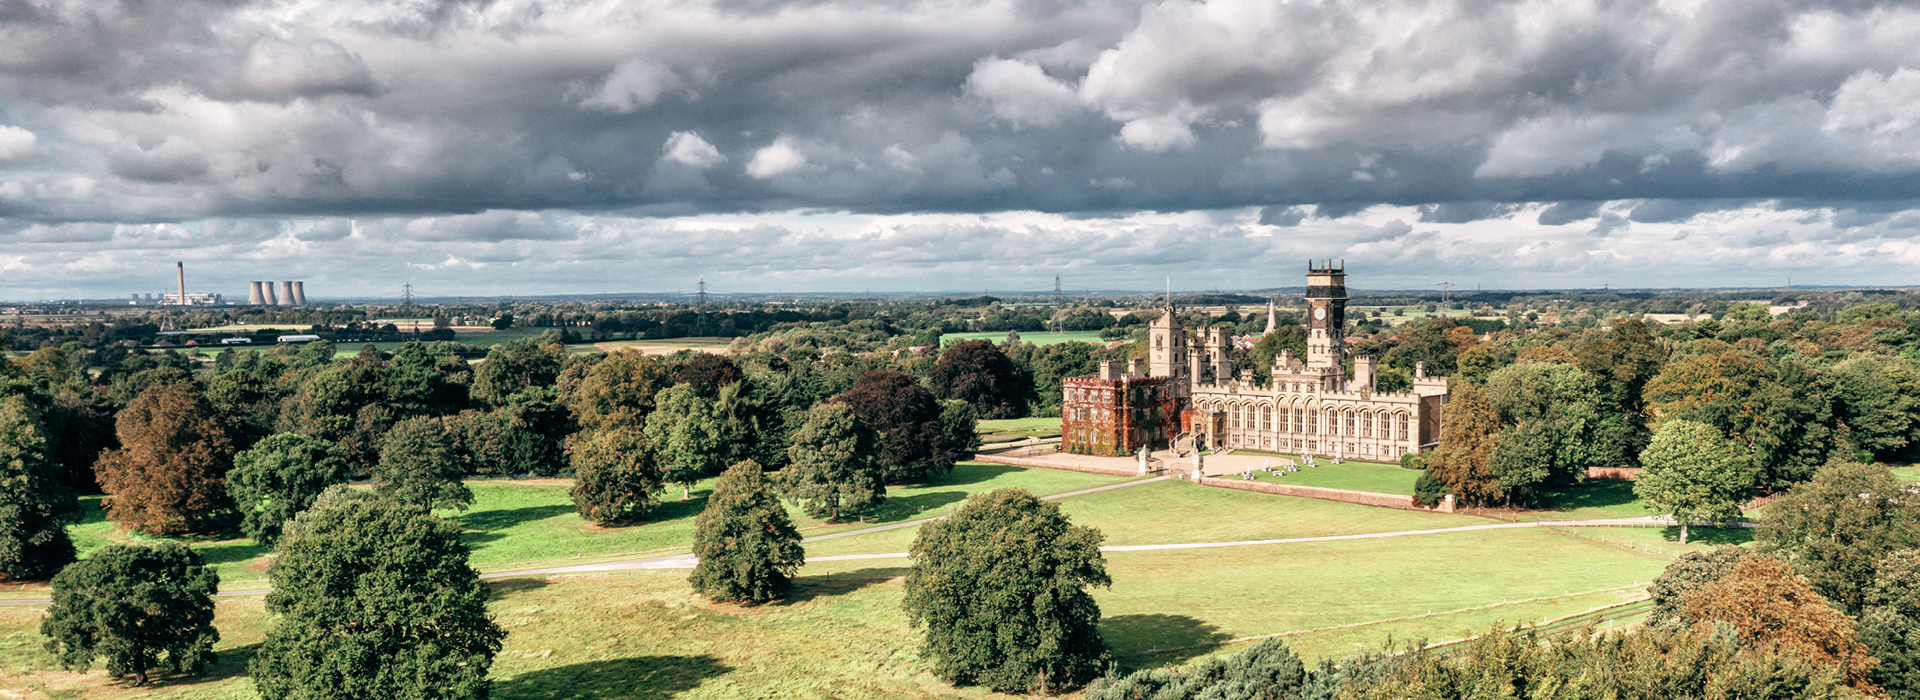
x=1837, y=526
x=146, y=609
x=1878, y=399
x=1000, y=587
x=168, y=476
x=959, y=431
x=1467, y=434
x=420, y=465
x=907, y=417
x=1685, y=577
x=279, y=477
x=35, y=507
x=375, y=599
x=747, y=548
x=616, y=474
x=831, y=470
x=1890, y=627
x=1787, y=430
x=687, y=429
x=980, y=374
x=518, y=365
x=618, y=391
x=1775, y=610
x=1287, y=337
x=707, y=373
x=1691, y=472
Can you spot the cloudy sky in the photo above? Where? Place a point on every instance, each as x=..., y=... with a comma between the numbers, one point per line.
x=555, y=146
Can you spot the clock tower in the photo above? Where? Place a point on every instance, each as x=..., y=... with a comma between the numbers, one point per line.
x=1326, y=314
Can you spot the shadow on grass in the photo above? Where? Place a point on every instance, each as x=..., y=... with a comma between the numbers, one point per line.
x=616, y=679
x=673, y=508
x=1598, y=493
x=228, y=552
x=510, y=587
x=1182, y=638
x=807, y=588
x=232, y=663
x=504, y=519
x=898, y=508
x=1709, y=535
x=964, y=474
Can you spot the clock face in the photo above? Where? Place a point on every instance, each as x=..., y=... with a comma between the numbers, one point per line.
x=1320, y=313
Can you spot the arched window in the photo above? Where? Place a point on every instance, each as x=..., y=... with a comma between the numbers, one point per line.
x=1299, y=422
x=1403, y=426
x=1366, y=423
x=1266, y=417
x=1237, y=414
x=1312, y=421
x=1349, y=417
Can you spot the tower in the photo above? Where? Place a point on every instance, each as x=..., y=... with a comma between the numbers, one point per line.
x=1326, y=314
x=1168, y=356
x=1272, y=325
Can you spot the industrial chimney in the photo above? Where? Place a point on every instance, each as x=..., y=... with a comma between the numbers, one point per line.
x=268, y=297
x=286, y=294
x=181, y=267
x=300, y=293
x=255, y=297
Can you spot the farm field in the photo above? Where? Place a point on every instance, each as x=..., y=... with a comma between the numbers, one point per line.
x=1035, y=337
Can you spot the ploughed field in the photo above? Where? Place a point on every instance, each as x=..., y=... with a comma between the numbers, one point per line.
x=644, y=634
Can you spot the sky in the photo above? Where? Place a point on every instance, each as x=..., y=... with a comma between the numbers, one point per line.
x=496, y=147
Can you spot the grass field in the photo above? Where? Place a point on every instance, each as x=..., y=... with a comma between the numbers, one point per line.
x=1907, y=474
x=521, y=525
x=1351, y=475
x=1665, y=541
x=1037, y=338
x=1010, y=429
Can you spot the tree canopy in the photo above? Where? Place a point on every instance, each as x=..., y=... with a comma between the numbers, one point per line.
x=690, y=434
x=374, y=599
x=978, y=373
x=168, y=476
x=420, y=465
x=1836, y=527
x=1691, y=472
x=279, y=477
x=907, y=417
x=616, y=474
x=146, y=609
x=831, y=466
x=1000, y=588
x=1773, y=609
x=748, y=549
x=35, y=507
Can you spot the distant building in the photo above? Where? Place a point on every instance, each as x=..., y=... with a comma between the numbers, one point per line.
x=1309, y=406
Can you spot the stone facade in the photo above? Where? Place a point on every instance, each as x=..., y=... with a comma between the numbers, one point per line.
x=1309, y=406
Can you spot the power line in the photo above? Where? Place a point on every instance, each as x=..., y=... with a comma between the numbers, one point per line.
x=701, y=326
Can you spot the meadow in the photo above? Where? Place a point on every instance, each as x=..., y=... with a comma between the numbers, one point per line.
x=1035, y=337
x=1352, y=475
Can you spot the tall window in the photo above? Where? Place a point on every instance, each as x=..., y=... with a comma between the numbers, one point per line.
x=1266, y=417
x=1403, y=426
x=1312, y=422
x=1350, y=424
x=1298, y=421
x=1366, y=424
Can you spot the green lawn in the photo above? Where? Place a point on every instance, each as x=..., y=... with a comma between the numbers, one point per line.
x=1593, y=499
x=1037, y=338
x=1907, y=474
x=1010, y=429
x=1665, y=541
x=1173, y=511
x=521, y=525
x=1349, y=474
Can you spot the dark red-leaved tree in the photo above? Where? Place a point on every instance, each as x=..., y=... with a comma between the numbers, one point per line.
x=169, y=475
x=907, y=417
x=978, y=373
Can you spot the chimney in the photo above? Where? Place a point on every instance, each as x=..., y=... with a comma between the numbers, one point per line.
x=300, y=293
x=1137, y=367
x=254, y=296
x=1109, y=370
x=286, y=294
x=269, y=298
x=181, y=267
x=1363, y=375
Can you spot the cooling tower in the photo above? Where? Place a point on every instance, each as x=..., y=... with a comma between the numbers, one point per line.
x=300, y=293
x=286, y=294
x=255, y=297
x=267, y=295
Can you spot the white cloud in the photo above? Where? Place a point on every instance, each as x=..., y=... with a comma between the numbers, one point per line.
x=777, y=159
x=1021, y=93
x=687, y=148
x=17, y=145
x=636, y=84
x=1157, y=134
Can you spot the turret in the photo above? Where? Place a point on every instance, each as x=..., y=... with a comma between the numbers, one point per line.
x=1326, y=314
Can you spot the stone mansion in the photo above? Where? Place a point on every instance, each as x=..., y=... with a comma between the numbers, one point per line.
x=1310, y=406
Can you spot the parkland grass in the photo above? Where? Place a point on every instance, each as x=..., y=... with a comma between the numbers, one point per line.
x=1351, y=475
x=1035, y=337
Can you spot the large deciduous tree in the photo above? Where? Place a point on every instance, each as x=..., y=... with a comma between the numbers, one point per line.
x=616, y=474
x=375, y=599
x=980, y=374
x=1551, y=428
x=514, y=367
x=146, y=609
x=35, y=507
x=279, y=477
x=1890, y=626
x=1782, y=414
x=169, y=474
x=907, y=417
x=1692, y=472
x=1467, y=434
x=420, y=465
x=618, y=391
x=959, y=431
x=1000, y=588
x=1878, y=399
x=831, y=470
x=1837, y=526
x=1775, y=610
x=747, y=548
x=689, y=431
x=1683, y=578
